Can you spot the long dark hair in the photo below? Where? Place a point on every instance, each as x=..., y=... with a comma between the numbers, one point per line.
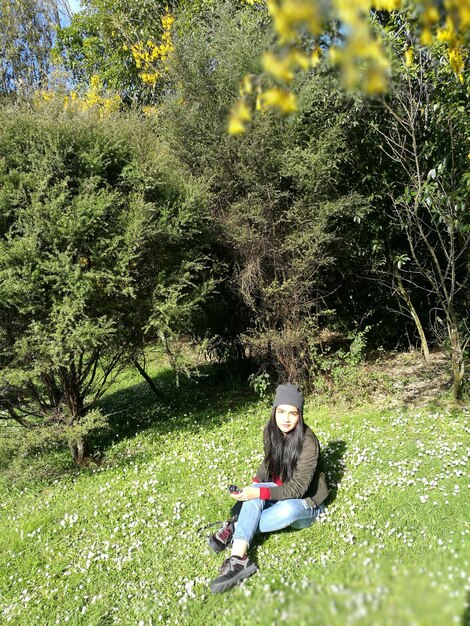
x=281, y=452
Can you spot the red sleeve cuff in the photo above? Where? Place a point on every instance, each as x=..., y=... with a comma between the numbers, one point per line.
x=264, y=493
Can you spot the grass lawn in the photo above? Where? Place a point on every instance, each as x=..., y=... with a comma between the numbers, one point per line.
x=121, y=543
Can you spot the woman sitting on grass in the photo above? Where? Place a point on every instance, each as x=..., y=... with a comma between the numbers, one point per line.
x=289, y=488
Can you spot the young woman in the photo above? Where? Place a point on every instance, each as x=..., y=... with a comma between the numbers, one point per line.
x=288, y=489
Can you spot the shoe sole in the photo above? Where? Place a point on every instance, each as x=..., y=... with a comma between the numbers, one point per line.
x=227, y=584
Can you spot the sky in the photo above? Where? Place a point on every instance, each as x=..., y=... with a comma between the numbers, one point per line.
x=74, y=5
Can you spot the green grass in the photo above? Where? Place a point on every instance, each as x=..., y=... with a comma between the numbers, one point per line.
x=120, y=543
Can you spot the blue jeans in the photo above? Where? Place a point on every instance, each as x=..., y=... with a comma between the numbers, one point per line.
x=266, y=516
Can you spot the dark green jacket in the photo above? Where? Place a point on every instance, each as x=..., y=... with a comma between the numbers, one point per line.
x=308, y=480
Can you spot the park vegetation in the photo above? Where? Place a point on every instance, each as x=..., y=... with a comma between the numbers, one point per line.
x=200, y=199
x=126, y=542
x=152, y=194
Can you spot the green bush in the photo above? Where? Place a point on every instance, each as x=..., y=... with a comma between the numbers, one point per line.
x=101, y=248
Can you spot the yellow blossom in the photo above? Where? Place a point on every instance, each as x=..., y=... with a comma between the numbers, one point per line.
x=243, y=111
x=426, y=37
x=149, y=77
x=95, y=82
x=283, y=68
x=146, y=53
x=409, y=53
x=362, y=58
x=289, y=14
x=94, y=99
x=278, y=68
x=167, y=21
x=461, y=8
x=247, y=85
x=374, y=82
x=278, y=98
x=299, y=59
x=446, y=34
x=386, y=5
x=315, y=56
x=150, y=111
x=430, y=15
x=46, y=95
x=239, y=115
x=335, y=55
x=236, y=126
x=457, y=62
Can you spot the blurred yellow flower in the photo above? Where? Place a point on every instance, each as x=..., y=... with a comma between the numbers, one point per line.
x=243, y=111
x=239, y=116
x=446, y=34
x=316, y=56
x=361, y=57
x=335, y=55
x=288, y=15
x=386, y=5
x=409, y=53
x=457, y=62
x=426, y=37
x=431, y=14
x=375, y=82
x=299, y=59
x=278, y=98
x=247, y=85
x=283, y=68
x=236, y=126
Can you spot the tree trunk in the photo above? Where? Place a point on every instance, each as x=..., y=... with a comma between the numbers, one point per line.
x=78, y=444
x=458, y=363
x=171, y=357
x=147, y=378
x=414, y=314
x=79, y=449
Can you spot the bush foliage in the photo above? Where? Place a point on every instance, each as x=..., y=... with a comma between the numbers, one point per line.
x=98, y=252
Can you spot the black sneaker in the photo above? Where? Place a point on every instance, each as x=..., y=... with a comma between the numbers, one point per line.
x=223, y=537
x=233, y=570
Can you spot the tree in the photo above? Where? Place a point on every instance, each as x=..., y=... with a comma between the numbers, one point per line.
x=423, y=132
x=348, y=34
x=95, y=247
x=277, y=194
x=126, y=44
x=97, y=42
x=27, y=32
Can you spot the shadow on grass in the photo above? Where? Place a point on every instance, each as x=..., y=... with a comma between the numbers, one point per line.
x=466, y=613
x=198, y=402
x=334, y=466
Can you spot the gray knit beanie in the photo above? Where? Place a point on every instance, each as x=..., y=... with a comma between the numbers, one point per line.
x=289, y=394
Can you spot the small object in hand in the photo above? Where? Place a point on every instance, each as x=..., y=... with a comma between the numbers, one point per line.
x=233, y=489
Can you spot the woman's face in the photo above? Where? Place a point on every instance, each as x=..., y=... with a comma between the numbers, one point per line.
x=287, y=417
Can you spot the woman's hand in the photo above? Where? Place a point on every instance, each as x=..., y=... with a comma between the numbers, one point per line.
x=247, y=493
